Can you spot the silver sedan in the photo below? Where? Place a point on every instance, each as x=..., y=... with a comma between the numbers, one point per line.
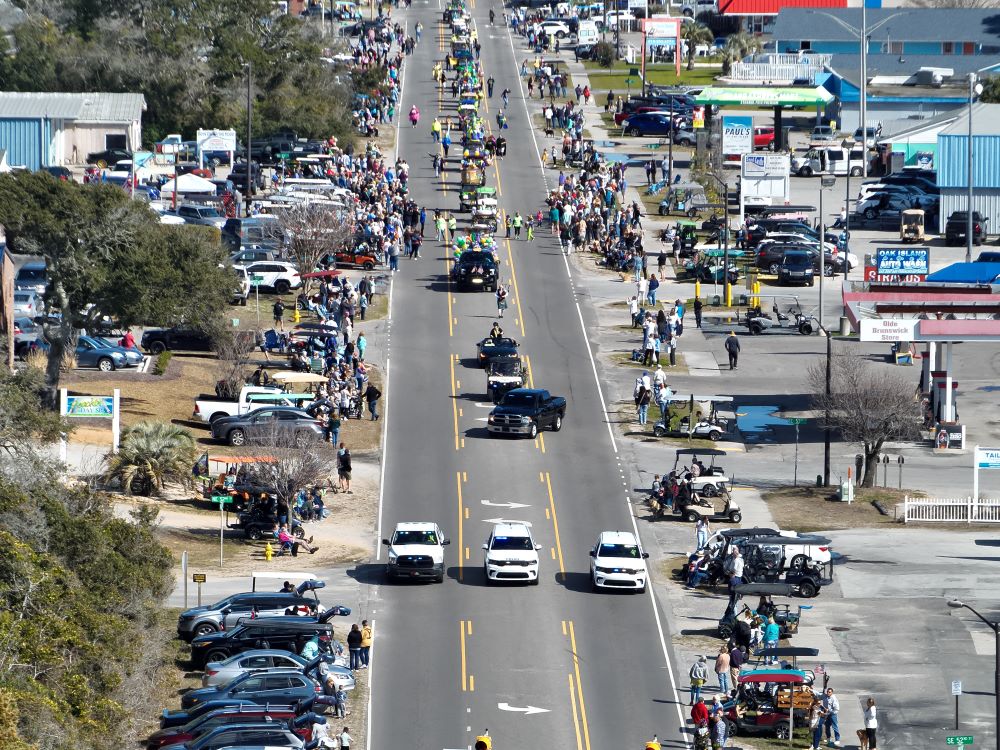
x=222, y=672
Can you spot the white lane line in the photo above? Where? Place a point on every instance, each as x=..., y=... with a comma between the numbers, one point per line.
x=681, y=723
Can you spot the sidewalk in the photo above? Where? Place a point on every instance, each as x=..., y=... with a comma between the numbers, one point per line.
x=694, y=614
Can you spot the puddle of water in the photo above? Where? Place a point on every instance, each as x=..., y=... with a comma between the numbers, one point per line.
x=606, y=144
x=616, y=158
x=757, y=423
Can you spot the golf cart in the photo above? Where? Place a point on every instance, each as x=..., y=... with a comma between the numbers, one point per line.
x=764, y=562
x=786, y=619
x=707, y=266
x=712, y=480
x=695, y=417
x=911, y=225
x=757, y=321
x=757, y=708
x=686, y=198
x=503, y=375
x=687, y=229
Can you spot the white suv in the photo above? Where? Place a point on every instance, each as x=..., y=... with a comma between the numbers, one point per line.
x=617, y=561
x=281, y=277
x=416, y=550
x=511, y=553
x=558, y=29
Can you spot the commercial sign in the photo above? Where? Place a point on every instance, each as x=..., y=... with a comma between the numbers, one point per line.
x=217, y=140
x=949, y=435
x=987, y=458
x=737, y=135
x=698, y=118
x=90, y=406
x=766, y=165
x=903, y=261
x=888, y=330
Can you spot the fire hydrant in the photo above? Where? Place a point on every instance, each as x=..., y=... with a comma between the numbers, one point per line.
x=268, y=552
x=295, y=315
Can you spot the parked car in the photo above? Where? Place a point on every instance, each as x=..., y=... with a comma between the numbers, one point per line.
x=26, y=304
x=283, y=686
x=179, y=338
x=264, y=660
x=32, y=277
x=822, y=133
x=922, y=181
x=247, y=735
x=26, y=333
x=109, y=156
x=647, y=123
x=209, y=407
x=685, y=136
x=763, y=138
x=252, y=230
x=873, y=133
x=796, y=268
x=94, y=351
x=558, y=29
x=415, y=551
x=287, y=633
x=988, y=256
x=889, y=204
x=249, y=254
x=60, y=173
x=510, y=554
x=239, y=714
x=206, y=216
x=267, y=425
x=957, y=227
x=617, y=561
x=212, y=618
x=281, y=277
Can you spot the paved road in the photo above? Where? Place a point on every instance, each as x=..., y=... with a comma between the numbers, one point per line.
x=596, y=663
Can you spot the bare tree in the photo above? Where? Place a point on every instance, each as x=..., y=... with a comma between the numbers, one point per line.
x=312, y=231
x=866, y=404
x=289, y=462
x=233, y=348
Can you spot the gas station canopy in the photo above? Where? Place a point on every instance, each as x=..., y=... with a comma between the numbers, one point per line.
x=759, y=96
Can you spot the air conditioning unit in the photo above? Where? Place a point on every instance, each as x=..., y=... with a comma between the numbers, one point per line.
x=933, y=76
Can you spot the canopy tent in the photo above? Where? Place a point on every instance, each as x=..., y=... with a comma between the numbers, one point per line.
x=760, y=96
x=189, y=183
x=967, y=273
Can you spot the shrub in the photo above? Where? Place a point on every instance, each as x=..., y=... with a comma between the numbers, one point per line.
x=151, y=454
x=162, y=362
x=604, y=54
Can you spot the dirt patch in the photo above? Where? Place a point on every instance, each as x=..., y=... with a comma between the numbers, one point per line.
x=818, y=509
x=344, y=536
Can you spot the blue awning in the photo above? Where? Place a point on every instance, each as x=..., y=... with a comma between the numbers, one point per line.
x=967, y=273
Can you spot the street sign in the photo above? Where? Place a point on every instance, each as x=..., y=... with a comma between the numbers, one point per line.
x=959, y=739
x=796, y=420
x=956, y=687
x=222, y=499
x=256, y=280
x=199, y=577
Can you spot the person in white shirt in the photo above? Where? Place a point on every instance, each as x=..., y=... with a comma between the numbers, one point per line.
x=871, y=723
x=345, y=740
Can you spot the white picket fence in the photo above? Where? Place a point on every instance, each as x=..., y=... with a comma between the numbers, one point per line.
x=951, y=510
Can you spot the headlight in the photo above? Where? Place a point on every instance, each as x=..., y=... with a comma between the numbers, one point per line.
x=492, y=419
x=392, y=557
x=603, y=570
x=525, y=420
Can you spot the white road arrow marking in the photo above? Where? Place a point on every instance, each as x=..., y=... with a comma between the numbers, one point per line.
x=505, y=505
x=527, y=711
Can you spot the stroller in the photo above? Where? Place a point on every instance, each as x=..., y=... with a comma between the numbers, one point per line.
x=353, y=408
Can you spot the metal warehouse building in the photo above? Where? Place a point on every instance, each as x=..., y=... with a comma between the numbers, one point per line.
x=42, y=130
x=953, y=165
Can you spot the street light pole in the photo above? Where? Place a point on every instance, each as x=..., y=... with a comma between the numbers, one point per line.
x=995, y=627
x=849, y=145
x=249, y=199
x=826, y=416
x=864, y=90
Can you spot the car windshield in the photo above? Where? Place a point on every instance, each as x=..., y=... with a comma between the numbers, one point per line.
x=521, y=543
x=506, y=342
x=103, y=341
x=415, y=537
x=209, y=212
x=21, y=297
x=505, y=368
x=795, y=258
x=619, y=550
x=31, y=274
x=223, y=603
x=479, y=259
x=519, y=399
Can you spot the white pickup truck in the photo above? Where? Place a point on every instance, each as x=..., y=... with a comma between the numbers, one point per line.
x=208, y=408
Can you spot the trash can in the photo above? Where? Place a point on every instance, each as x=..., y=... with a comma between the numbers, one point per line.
x=845, y=326
x=716, y=300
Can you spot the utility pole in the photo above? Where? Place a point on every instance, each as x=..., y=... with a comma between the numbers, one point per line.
x=969, y=223
x=864, y=90
x=249, y=198
x=826, y=416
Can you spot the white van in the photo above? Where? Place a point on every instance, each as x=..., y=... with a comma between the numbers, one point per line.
x=829, y=160
x=587, y=33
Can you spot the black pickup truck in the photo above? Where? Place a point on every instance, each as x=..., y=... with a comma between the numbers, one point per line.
x=525, y=411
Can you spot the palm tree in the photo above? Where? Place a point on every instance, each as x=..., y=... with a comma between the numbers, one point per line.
x=695, y=34
x=738, y=46
x=151, y=453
